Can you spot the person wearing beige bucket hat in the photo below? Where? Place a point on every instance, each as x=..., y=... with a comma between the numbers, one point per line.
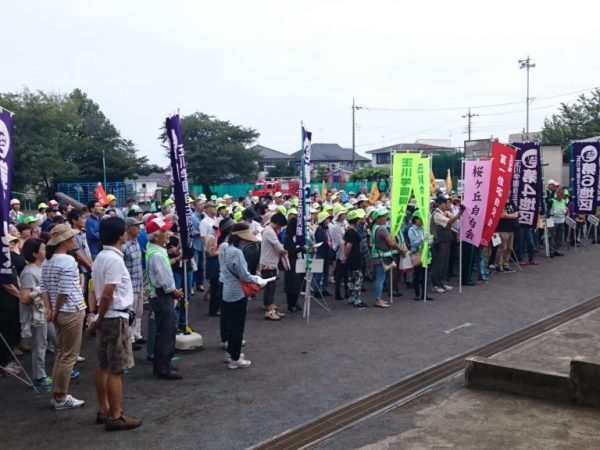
x=61, y=290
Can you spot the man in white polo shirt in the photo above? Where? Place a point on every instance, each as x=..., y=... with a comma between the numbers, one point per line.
x=112, y=284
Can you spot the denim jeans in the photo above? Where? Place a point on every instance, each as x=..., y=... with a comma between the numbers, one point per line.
x=524, y=243
x=379, y=280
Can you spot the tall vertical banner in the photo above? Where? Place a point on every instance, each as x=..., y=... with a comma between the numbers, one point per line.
x=420, y=189
x=584, y=169
x=526, y=188
x=475, y=200
x=6, y=171
x=503, y=162
x=304, y=189
x=404, y=168
x=180, y=184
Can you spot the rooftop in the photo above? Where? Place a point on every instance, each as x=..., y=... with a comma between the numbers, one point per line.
x=414, y=147
x=329, y=152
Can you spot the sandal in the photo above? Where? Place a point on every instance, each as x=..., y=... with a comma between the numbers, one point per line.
x=382, y=304
x=272, y=315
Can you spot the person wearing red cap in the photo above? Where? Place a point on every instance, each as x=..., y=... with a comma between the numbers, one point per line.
x=162, y=289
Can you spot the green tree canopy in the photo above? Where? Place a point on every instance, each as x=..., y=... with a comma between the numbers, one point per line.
x=579, y=120
x=216, y=150
x=370, y=174
x=62, y=137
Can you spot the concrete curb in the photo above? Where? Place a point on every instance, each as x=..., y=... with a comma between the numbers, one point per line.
x=581, y=386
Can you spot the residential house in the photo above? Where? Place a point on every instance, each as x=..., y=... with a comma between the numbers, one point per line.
x=331, y=156
x=269, y=158
x=382, y=157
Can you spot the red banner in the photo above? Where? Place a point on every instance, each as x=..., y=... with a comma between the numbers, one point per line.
x=503, y=163
x=101, y=195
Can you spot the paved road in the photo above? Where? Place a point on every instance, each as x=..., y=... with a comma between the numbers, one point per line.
x=298, y=371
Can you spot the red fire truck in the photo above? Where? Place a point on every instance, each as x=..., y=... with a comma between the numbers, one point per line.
x=263, y=188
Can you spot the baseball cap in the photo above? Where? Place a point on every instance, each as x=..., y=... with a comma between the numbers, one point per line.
x=129, y=221
x=30, y=219
x=15, y=201
x=292, y=211
x=135, y=208
x=441, y=199
x=109, y=197
x=362, y=198
x=157, y=223
x=168, y=202
x=42, y=206
x=277, y=194
x=418, y=214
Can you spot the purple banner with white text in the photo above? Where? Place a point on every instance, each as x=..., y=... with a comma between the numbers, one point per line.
x=526, y=187
x=6, y=171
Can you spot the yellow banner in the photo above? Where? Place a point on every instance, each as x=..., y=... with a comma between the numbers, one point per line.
x=374, y=193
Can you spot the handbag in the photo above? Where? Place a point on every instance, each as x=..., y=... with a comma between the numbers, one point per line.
x=415, y=259
x=406, y=262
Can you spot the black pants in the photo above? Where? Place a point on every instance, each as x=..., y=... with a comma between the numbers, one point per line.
x=233, y=319
x=341, y=275
x=216, y=293
x=269, y=289
x=164, y=346
x=468, y=258
x=419, y=280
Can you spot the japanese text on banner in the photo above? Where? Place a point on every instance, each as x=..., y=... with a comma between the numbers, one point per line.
x=477, y=186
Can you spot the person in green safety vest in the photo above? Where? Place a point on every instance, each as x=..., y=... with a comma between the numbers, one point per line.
x=558, y=212
x=163, y=293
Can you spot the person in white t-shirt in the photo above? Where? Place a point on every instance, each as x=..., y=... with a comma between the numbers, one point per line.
x=112, y=284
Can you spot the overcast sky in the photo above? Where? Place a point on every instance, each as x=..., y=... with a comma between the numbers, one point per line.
x=270, y=64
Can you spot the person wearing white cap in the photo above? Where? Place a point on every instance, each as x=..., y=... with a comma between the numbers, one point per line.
x=15, y=215
x=278, y=198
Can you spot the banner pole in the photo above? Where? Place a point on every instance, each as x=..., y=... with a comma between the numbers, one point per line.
x=460, y=242
x=427, y=231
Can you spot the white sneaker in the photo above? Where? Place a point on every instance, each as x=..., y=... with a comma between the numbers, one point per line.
x=228, y=357
x=438, y=290
x=80, y=358
x=224, y=344
x=12, y=368
x=447, y=288
x=69, y=402
x=240, y=363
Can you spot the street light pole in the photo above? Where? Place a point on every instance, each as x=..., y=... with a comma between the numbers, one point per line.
x=104, y=167
x=353, y=137
x=526, y=64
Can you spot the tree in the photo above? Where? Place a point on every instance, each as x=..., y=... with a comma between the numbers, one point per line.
x=61, y=137
x=216, y=150
x=370, y=174
x=579, y=120
x=283, y=169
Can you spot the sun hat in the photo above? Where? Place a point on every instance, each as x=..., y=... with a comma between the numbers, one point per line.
x=60, y=233
x=295, y=202
x=348, y=206
x=292, y=211
x=282, y=209
x=277, y=194
x=221, y=206
x=328, y=208
x=369, y=211
x=135, y=208
x=11, y=237
x=380, y=213
x=213, y=197
x=168, y=202
x=109, y=197
x=54, y=203
x=30, y=219
x=15, y=201
x=356, y=214
x=227, y=196
x=129, y=221
x=247, y=235
x=418, y=214
x=339, y=209
x=156, y=223
x=322, y=217
x=362, y=198
x=42, y=206
x=191, y=200
x=202, y=197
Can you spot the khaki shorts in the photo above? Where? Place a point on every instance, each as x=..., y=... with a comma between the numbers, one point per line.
x=114, y=345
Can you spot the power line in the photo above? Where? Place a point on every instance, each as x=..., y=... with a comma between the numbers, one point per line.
x=462, y=108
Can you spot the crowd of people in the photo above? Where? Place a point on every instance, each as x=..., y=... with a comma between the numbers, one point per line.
x=94, y=268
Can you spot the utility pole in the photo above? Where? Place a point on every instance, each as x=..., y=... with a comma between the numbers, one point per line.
x=526, y=64
x=354, y=108
x=468, y=116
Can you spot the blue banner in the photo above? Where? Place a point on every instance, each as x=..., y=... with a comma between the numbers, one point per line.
x=6, y=171
x=304, y=189
x=180, y=184
x=584, y=175
x=526, y=187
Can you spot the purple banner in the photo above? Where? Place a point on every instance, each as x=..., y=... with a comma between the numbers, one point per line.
x=584, y=173
x=180, y=184
x=304, y=189
x=6, y=171
x=476, y=190
x=526, y=187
